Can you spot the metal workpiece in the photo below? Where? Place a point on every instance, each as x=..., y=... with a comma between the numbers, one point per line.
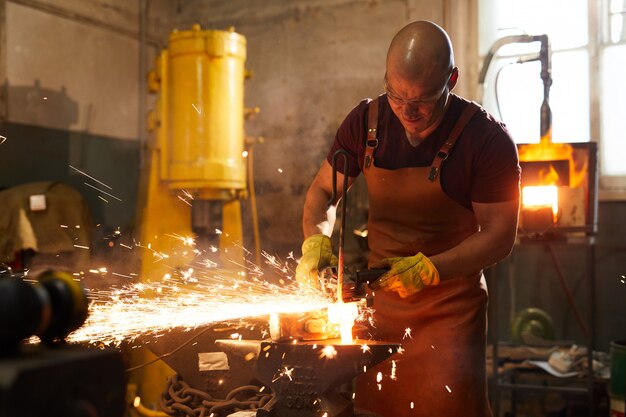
x=309, y=378
x=311, y=325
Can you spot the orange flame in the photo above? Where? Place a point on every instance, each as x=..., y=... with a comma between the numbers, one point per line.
x=546, y=150
x=541, y=196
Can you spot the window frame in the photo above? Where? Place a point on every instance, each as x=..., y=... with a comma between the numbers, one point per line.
x=610, y=187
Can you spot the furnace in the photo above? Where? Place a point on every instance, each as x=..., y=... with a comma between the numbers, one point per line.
x=559, y=184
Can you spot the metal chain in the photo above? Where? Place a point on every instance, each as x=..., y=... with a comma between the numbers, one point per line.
x=181, y=400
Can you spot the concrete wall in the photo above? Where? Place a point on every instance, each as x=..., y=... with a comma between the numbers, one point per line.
x=70, y=76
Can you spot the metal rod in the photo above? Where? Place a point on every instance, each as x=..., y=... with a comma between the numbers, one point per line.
x=342, y=227
x=530, y=387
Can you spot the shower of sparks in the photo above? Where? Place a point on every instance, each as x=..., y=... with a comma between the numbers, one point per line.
x=102, y=191
x=407, y=333
x=196, y=296
x=365, y=348
x=89, y=176
x=328, y=352
x=393, y=370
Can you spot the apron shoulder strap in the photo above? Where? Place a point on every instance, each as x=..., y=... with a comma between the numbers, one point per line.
x=372, y=137
x=444, y=151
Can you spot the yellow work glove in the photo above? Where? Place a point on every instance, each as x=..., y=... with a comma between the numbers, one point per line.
x=406, y=275
x=317, y=254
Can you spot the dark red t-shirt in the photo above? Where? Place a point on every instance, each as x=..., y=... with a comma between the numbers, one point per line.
x=482, y=167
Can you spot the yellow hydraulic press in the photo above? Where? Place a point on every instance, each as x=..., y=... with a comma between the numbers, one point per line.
x=194, y=170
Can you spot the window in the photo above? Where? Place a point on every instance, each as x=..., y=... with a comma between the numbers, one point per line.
x=588, y=41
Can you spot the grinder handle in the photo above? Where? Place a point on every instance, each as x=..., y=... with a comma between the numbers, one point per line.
x=369, y=275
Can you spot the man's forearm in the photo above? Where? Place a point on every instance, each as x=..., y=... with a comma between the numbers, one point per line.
x=491, y=244
x=317, y=217
x=473, y=254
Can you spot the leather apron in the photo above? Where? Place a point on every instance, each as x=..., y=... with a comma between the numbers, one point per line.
x=442, y=328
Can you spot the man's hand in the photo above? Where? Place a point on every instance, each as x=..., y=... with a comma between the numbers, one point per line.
x=317, y=254
x=406, y=275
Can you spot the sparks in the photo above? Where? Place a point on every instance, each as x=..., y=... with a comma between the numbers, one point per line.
x=328, y=352
x=172, y=303
x=184, y=200
x=2, y=139
x=407, y=333
x=365, y=348
x=89, y=176
x=198, y=295
x=286, y=371
x=187, y=240
x=195, y=108
x=449, y=390
x=102, y=191
x=393, y=370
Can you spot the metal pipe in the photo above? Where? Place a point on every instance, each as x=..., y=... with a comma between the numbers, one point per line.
x=546, y=71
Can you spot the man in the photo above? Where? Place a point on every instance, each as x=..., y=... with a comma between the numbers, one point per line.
x=443, y=185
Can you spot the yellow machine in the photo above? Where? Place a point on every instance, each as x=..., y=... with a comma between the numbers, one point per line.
x=194, y=170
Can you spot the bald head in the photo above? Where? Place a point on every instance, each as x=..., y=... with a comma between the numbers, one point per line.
x=420, y=50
